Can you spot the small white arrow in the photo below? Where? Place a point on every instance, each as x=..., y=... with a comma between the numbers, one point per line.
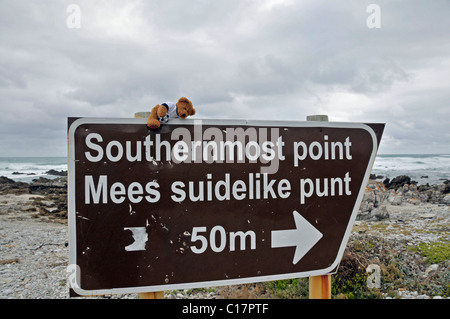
x=304, y=237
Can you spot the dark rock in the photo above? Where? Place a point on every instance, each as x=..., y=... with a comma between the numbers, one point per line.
x=398, y=181
x=56, y=173
x=54, y=191
x=446, y=189
x=8, y=185
x=6, y=180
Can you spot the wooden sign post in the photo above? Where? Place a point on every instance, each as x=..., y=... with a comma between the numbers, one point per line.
x=319, y=286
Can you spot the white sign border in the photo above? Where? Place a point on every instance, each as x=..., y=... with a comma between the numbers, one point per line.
x=141, y=121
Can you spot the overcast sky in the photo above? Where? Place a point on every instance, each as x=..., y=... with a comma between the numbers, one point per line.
x=260, y=59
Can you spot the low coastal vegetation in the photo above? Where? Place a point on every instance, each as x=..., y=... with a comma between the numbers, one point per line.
x=422, y=269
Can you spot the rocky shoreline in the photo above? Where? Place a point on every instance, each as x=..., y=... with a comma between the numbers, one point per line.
x=379, y=195
x=48, y=196
x=397, y=226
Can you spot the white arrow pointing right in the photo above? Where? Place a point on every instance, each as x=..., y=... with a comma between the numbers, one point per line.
x=304, y=237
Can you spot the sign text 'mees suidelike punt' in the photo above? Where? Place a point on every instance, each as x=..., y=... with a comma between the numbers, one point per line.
x=201, y=202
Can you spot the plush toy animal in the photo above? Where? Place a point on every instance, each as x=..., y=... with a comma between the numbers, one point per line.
x=164, y=112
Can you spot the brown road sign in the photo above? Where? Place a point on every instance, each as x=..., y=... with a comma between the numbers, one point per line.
x=201, y=203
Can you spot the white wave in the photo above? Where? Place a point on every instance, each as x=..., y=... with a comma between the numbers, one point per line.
x=421, y=168
x=21, y=169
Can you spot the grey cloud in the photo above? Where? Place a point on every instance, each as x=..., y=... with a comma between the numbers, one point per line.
x=234, y=59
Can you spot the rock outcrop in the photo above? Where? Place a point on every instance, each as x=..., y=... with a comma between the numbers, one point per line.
x=379, y=195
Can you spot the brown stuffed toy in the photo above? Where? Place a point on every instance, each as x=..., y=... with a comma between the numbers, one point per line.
x=161, y=114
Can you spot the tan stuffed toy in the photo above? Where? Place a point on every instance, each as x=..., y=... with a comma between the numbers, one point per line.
x=161, y=114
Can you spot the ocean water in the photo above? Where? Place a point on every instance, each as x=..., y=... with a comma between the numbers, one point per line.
x=432, y=168
x=25, y=169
